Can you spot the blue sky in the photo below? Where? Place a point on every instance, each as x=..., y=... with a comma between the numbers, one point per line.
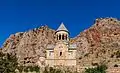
x=77, y=15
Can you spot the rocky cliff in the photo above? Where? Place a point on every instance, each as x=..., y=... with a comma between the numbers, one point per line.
x=30, y=45
x=100, y=43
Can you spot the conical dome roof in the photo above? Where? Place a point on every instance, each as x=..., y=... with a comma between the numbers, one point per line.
x=62, y=28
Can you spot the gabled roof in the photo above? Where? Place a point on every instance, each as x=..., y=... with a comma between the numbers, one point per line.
x=50, y=47
x=62, y=28
x=72, y=47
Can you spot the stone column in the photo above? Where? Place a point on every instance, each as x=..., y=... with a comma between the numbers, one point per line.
x=67, y=38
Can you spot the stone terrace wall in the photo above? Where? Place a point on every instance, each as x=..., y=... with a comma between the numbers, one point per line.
x=109, y=70
x=113, y=70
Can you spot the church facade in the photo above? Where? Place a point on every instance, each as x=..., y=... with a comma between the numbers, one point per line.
x=62, y=53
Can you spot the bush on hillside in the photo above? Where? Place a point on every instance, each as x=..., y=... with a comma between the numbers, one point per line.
x=98, y=69
x=8, y=63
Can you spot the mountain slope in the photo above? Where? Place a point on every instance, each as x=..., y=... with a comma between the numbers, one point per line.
x=30, y=45
x=98, y=44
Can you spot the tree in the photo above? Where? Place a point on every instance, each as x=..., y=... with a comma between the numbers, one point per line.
x=98, y=69
x=52, y=70
x=8, y=63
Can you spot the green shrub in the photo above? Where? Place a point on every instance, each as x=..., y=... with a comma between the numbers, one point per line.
x=28, y=68
x=8, y=63
x=98, y=69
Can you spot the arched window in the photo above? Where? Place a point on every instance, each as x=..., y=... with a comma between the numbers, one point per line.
x=63, y=37
x=57, y=37
x=60, y=37
x=66, y=36
x=60, y=53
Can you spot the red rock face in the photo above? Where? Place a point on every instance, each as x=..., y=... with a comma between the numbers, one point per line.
x=95, y=35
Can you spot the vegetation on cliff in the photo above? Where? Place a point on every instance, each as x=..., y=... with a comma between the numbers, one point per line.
x=98, y=69
x=8, y=63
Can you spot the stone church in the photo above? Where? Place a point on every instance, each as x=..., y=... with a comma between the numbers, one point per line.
x=62, y=53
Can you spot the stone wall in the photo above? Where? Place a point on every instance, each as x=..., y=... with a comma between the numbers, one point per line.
x=65, y=62
x=81, y=69
x=113, y=70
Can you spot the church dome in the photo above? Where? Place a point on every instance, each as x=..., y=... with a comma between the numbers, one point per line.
x=62, y=34
x=62, y=28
